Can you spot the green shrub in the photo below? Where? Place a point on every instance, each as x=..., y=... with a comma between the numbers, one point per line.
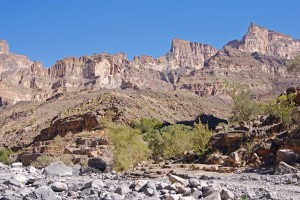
x=5, y=156
x=129, y=146
x=243, y=108
x=176, y=139
x=148, y=125
x=201, y=138
x=284, y=108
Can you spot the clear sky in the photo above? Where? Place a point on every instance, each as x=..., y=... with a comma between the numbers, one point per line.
x=48, y=30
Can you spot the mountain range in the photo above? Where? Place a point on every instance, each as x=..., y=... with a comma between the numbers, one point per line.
x=191, y=78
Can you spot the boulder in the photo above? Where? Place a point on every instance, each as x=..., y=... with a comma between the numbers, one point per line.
x=58, y=169
x=293, y=143
x=233, y=159
x=173, y=197
x=213, y=196
x=283, y=168
x=18, y=180
x=193, y=182
x=211, y=189
x=228, y=142
x=122, y=189
x=41, y=193
x=97, y=163
x=286, y=155
x=59, y=187
x=139, y=185
x=226, y=194
x=95, y=184
x=177, y=179
x=215, y=159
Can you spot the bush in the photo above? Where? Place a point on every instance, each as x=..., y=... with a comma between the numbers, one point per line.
x=284, y=108
x=243, y=108
x=174, y=140
x=5, y=156
x=129, y=146
x=148, y=125
x=201, y=138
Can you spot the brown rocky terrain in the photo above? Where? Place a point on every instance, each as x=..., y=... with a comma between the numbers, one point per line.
x=192, y=78
x=58, y=112
x=191, y=75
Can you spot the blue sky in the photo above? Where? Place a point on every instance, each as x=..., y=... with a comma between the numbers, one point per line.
x=55, y=29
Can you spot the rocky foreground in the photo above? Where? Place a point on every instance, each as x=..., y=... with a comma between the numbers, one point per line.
x=58, y=181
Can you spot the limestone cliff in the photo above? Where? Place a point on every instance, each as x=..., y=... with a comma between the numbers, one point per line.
x=259, y=60
x=10, y=61
x=264, y=41
x=189, y=54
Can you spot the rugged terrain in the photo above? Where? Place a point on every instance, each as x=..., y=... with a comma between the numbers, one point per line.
x=194, y=78
x=58, y=181
x=71, y=98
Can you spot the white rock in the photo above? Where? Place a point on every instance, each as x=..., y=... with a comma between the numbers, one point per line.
x=59, y=186
x=177, y=179
x=17, y=165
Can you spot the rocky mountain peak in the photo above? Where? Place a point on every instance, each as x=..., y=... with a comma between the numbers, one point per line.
x=186, y=53
x=4, y=48
x=264, y=41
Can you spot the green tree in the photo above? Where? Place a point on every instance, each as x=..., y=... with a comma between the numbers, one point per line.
x=201, y=138
x=243, y=107
x=177, y=139
x=129, y=146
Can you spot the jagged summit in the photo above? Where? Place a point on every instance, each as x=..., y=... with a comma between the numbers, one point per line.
x=268, y=42
x=259, y=51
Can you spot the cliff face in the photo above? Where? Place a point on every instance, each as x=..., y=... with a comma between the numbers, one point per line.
x=10, y=61
x=189, y=54
x=257, y=60
x=264, y=41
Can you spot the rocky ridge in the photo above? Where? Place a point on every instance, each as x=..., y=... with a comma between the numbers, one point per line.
x=260, y=50
x=264, y=41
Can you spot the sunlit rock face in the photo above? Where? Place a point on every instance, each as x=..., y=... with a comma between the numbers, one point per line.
x=10, y=61
x=257, y=61
x=184, y=53
x=264, y=41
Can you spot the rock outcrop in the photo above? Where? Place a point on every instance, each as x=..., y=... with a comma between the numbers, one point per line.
x=189, y=54
x=264, y=41
x=10, y=62
x=189, y=66
x=234, y=60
